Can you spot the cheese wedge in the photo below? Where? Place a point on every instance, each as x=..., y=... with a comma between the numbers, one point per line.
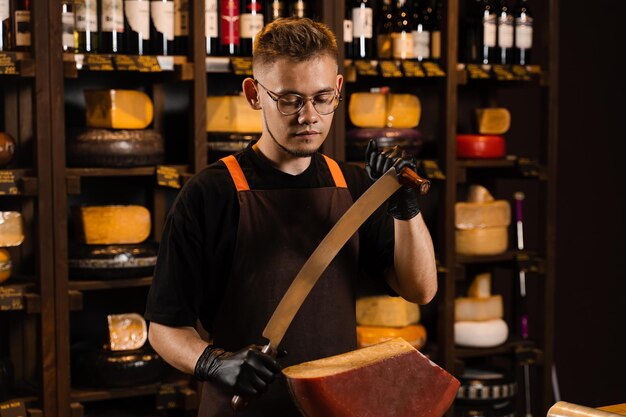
x=118, y=109
x=11, y=228
x=232, y=114
x=480, y=242
x=127, y=331
x=390, y=379
x=481, y=286
x=478, y=309
x=479, y=194
x=415, y=334
x=386, y=311
x=493, y=121
x=480, y=334
x=480, y=215
x=107, y=225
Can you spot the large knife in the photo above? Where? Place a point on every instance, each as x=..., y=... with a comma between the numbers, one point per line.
x=326, y=251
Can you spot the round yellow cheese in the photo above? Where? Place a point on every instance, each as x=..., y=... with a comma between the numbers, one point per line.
x=386, y=311
x=480, y=215
x=112, y=225
x=370, y=335
x=118, y=109
x=477, y=242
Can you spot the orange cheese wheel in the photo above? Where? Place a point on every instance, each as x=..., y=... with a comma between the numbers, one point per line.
x=5, y=265
x=370, y=335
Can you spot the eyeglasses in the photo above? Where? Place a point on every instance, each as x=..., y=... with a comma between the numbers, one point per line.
x=290, y=104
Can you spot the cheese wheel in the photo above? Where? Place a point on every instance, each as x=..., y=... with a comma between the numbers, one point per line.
x=232, y=114
x=112, y=261
x=477, y=242
x=479, y=334
x=127, y=331
x=386, y=311
x=5, y=265
x=480, y=146
x=115, y=148
x=493, y=121
x=112, y=225
x=481, y=286
x=118, y=109
x=370, y=335
x=7, y=149
x=480, y=215
x=390, y=379
x=11, y=228
x=371, y=110
x=478, y=309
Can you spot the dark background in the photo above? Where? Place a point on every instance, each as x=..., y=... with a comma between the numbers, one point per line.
x=590, y=339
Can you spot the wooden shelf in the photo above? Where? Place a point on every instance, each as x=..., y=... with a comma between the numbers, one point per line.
x=509, y=256
x=522, y=75
x=109, y=284
x=169, y=66
x=20, y=297
x=18, y=182
x=16, y=64
x=393, y=69
x=510, y=167
x=508, y=348
x=82, y=395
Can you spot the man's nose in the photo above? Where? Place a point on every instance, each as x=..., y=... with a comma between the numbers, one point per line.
x=308, y=115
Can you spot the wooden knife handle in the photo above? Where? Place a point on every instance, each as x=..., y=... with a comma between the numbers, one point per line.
x=410, y=178
x=238, y=402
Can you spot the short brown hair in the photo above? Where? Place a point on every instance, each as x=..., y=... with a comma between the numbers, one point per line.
x=295, y=38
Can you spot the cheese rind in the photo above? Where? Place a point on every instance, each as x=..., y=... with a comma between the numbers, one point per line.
x=478, y=242
x=480, y=333
x=118, y=109
x=478, y=309
x=11, y=228
x=386, y=311
x=371, y=335
x=232, y=114
x=390, y=379
x=108, y=225
x=480, y=215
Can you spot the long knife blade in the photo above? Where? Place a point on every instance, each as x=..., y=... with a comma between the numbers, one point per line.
x=341, y=232
x=326, y=251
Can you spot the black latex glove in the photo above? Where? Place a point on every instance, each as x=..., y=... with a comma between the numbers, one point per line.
x=247, y=372
x=403, y=204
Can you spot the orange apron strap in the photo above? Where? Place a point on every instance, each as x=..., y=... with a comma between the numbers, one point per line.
x=236, y=173
x=335, y=171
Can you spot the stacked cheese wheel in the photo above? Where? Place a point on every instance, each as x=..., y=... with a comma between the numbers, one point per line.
x=482, y=224
x=388, y=118
x=491, y=124
x=380, y=318
x=116, y=134
x=478, y=319
x=112, y=242
x=11, y=234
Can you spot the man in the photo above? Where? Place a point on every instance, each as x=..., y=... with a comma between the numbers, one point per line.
x=240, y=231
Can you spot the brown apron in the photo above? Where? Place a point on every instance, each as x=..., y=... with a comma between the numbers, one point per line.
x=278, y=230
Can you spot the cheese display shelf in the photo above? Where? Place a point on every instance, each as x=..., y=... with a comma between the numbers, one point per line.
x=521, y=75
x=18, y=182
x=109, y=284
x=19, y=297
x=510, y=167
x=16, y=64
x=170, y=67
x=508, y=348
x=181, y=387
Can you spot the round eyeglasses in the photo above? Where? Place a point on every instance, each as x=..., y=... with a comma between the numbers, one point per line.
x=290, y=104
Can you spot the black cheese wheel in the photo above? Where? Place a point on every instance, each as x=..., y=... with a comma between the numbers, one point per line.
x=112, y=261
x=485, y=386
x=115, y=148
x=409, y=140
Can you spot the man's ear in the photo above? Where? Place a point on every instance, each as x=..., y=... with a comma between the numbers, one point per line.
x=251, y=93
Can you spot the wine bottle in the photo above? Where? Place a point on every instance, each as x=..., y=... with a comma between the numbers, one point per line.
x=348, y=35
x=523, y=33
x=299, y=8
x=421, y=30
x=435, y=31
x=111, y=26
x=362, y=29
x=68, y=24
x=162, y=27
x=250, y=23
x=505, y=34
x=471, y=33
x=137, y=26
x=5, y=25
x=181, y=26
x=384, y=30
x=229, y=27
x=402, y=36
x=211, y=28
x=87, y=25
x=275, y=9
x=489, y=24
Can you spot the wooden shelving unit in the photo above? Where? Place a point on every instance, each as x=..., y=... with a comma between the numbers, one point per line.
x=35, y=113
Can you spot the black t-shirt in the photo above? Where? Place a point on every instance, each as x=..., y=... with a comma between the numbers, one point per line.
x=198, y=240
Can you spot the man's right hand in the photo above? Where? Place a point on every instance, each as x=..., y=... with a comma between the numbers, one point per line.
x=247, y=372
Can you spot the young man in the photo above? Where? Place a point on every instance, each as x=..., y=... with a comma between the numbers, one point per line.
x=240, y=231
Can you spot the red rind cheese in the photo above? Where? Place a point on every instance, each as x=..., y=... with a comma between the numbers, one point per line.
x=389, y=379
